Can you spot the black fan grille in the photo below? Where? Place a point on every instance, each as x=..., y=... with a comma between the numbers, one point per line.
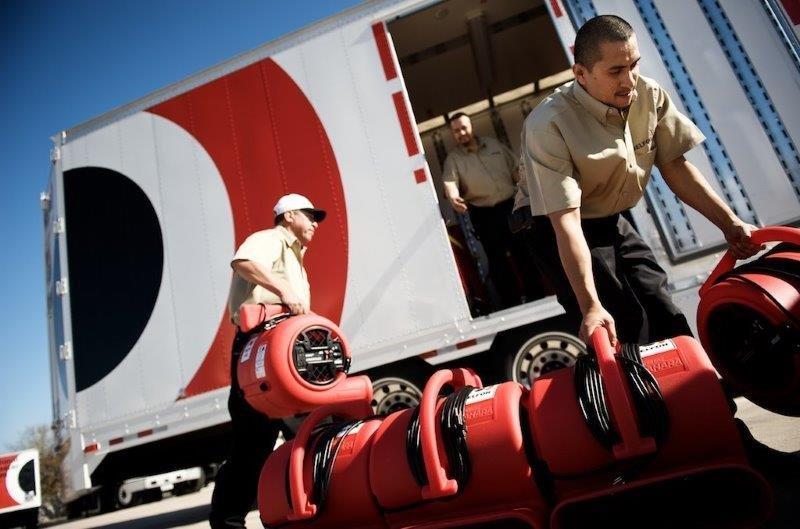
x=319, y=356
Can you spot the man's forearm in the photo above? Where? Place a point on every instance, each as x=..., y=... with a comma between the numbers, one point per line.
x=575, y=256
x=686, y=181
x=451, y=190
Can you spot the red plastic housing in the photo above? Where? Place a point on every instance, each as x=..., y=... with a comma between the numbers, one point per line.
x=501, y=485
x=288, y=473
x=271, y=382
x=702, y=453
x=770, y=380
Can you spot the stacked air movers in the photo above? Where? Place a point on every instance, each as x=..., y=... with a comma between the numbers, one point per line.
x=633, y=437
x=749, y=322
x=642, y=437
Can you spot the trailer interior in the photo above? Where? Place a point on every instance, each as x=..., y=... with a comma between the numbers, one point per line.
x=494, y=61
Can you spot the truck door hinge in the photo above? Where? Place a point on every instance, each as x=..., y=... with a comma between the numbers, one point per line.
x=58, y=225
x=55, y=154
x=71, y=419
x=62, y=286
x=65, y=351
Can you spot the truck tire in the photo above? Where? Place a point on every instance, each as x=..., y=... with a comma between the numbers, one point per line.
x=125, y=499
x=529, y=352
x=398, y=386
x=543, y=353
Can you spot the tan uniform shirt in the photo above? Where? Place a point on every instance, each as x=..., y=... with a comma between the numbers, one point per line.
x=579, y=152
x=279, y=252
x=521, y=197
x=484, y=178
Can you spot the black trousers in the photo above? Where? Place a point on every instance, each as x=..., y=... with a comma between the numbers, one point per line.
x=631, y=285
x=491, y=227
x=254, y=436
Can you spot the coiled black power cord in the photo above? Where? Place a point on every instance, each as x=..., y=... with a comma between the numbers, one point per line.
x=651, y=412
x=454, y=436
x=414, y=450
x=325, y=451
x=591, y=401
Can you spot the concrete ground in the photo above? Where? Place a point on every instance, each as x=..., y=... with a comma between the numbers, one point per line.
x=191, y=511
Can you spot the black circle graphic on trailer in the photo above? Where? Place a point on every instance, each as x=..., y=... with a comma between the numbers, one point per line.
x=116, y=256
x=27, y=478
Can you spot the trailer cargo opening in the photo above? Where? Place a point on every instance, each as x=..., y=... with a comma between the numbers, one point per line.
x=494, y=61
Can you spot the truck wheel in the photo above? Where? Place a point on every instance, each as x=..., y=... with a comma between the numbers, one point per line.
x=530, y=356
x=399, y=385
x=391, y=394
x=127, y=499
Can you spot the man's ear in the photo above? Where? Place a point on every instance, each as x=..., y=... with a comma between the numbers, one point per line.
x=580, y=73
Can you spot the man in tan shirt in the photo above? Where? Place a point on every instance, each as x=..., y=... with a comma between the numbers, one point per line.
x=588, y=150
x=268, y=268
x=480, y=177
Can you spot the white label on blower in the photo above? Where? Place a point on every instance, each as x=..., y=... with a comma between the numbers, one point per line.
x=656, y=347
x=247, y=350
x=262, y=352
x=480, y=395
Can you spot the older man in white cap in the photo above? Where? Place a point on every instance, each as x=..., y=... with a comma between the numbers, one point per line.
x=268, y=269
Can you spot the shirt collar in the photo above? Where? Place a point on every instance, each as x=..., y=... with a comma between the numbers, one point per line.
x=481, y=145
x=288, y=237
x=599, y=110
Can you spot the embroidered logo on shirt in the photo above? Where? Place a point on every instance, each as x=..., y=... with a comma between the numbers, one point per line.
x=643, y=143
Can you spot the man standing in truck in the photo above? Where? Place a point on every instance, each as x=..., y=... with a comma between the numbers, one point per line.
x=268, y=269
x=480, y=177
x=588, y=150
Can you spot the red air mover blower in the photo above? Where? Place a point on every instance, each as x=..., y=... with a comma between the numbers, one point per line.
x=749, y=322
x=321, y=479
x=438, y=467
x=295, y=363
x=630, y=441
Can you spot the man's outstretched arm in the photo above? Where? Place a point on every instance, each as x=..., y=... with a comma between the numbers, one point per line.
x=577, y=262
x=688, y=183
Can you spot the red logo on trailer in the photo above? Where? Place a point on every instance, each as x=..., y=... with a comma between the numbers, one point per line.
x=266, y=140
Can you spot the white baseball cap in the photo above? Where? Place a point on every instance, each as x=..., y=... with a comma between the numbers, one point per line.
x=293, y=202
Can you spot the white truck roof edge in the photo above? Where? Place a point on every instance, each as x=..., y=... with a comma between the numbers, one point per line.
x=240, y=61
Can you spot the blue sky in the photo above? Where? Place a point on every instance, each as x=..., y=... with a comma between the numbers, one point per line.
x=62, y=63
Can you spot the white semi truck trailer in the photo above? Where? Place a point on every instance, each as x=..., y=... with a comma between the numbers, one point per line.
x=146, y=205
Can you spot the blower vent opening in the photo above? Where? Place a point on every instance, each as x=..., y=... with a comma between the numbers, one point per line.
x=750, y=348
x=319, y=356
x=715, y=498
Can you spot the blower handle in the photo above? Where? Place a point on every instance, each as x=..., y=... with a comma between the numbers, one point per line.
x=619, y=399
x=251, y=315
x=302, y=508
x=438, y=483
x=761, y=236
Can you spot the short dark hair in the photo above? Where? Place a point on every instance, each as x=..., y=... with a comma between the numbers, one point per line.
x=456, y=116
x=603, y=28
